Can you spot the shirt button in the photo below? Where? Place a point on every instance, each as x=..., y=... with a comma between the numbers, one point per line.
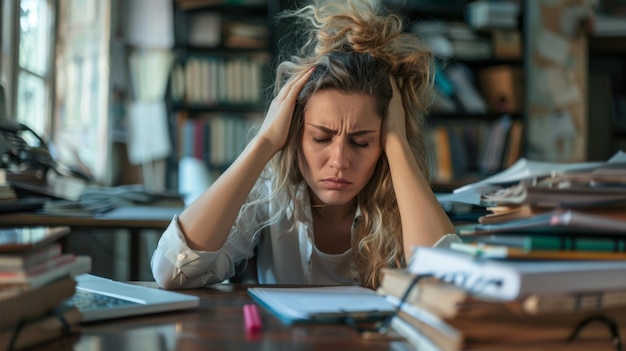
x=181, y=256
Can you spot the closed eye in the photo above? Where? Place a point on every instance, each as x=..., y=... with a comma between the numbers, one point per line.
x=321, y=140
x=360, y=144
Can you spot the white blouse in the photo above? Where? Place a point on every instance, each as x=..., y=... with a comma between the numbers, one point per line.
x=286, y=254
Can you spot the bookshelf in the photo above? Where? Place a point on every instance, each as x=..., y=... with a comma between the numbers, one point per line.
x=217, y=90
x=476, y=125
x=607, y=82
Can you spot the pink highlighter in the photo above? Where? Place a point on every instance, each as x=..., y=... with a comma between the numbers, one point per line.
x=251, y=318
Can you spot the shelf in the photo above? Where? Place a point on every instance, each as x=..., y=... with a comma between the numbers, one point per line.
x=486, y=62
x=445, y=10
x=223, y=108
x=220, y=50
x=241, y=7
x=445, y=117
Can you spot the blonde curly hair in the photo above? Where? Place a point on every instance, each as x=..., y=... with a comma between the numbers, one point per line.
x=355, y=46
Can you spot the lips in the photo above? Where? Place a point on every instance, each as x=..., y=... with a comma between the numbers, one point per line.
x=336, y=183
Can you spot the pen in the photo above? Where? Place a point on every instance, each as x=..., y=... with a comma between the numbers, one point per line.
x=251, y=318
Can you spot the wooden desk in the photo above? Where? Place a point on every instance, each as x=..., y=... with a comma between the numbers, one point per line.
x=133, y=219
x=216, y=325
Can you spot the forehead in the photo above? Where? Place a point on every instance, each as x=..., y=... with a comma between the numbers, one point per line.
x=332, y=107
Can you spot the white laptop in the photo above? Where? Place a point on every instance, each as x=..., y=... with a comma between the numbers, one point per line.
x=100, y=298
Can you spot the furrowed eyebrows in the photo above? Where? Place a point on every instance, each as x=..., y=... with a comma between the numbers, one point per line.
x=334, y=132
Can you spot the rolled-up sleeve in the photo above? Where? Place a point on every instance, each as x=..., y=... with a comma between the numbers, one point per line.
x=176, y=266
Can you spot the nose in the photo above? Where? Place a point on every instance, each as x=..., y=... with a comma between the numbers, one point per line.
x=339, y=158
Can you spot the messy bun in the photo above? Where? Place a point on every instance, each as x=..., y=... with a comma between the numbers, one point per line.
x=337, y=26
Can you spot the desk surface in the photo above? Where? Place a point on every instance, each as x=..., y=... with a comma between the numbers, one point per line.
x=123, y=217
x=216, y=325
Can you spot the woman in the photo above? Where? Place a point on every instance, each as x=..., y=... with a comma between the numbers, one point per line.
x=334, y=185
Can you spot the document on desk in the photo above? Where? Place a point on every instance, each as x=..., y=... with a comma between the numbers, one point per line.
x=331, y=304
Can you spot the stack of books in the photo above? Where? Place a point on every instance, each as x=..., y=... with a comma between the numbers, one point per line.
x=545, y=268
x=451, y=300
x=36, y=278
x=573, y=215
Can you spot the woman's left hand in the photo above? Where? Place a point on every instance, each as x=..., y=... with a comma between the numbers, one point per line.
x=394, y=126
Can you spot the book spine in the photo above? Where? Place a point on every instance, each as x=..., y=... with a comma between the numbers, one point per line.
x=537, y=304
x=45, y=329
x=413, y=336
x=40, y=269
x=10, y=262
x=28, y=304
x=575, y=243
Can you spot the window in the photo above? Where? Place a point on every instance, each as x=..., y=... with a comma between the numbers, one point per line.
x=82, y=87
x=56, y=76
x=27, y=70
x=34, y=80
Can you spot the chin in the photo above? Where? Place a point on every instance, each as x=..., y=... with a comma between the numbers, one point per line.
x=336, y=199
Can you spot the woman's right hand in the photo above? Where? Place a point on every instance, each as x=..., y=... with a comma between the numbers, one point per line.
x=275, y=128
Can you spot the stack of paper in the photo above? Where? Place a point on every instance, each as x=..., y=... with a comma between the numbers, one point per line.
x=580, y=214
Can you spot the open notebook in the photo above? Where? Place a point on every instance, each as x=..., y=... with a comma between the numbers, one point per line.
x=99, y=298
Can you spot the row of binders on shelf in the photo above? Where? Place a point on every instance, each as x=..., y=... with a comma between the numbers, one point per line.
x=473, y=148
x=36, y=280
x=206, y=81
x=216, y=139
x=544, y=267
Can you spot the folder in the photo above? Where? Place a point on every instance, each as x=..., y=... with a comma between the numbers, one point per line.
x=331, y=304
x=557, y=221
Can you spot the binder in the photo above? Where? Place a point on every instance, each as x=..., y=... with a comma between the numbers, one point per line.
x=511, y=279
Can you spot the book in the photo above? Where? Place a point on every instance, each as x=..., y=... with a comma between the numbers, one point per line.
x=27, y=259
x=480, y=249
x=331, y=304
x=549, y=195
x=438, y=332
x=513, y=279
x=412, y=335
x=561, y=242
x=504, y=213
x=21, y=276
x=579, y=197
x=17, y=305
x=564, y=221
x=446, y=300
x=62, y=321
x=461, y=332
x=28, y=238
x=71, y=265
x=588, y=300
x=484, y=14
x=443, y=299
